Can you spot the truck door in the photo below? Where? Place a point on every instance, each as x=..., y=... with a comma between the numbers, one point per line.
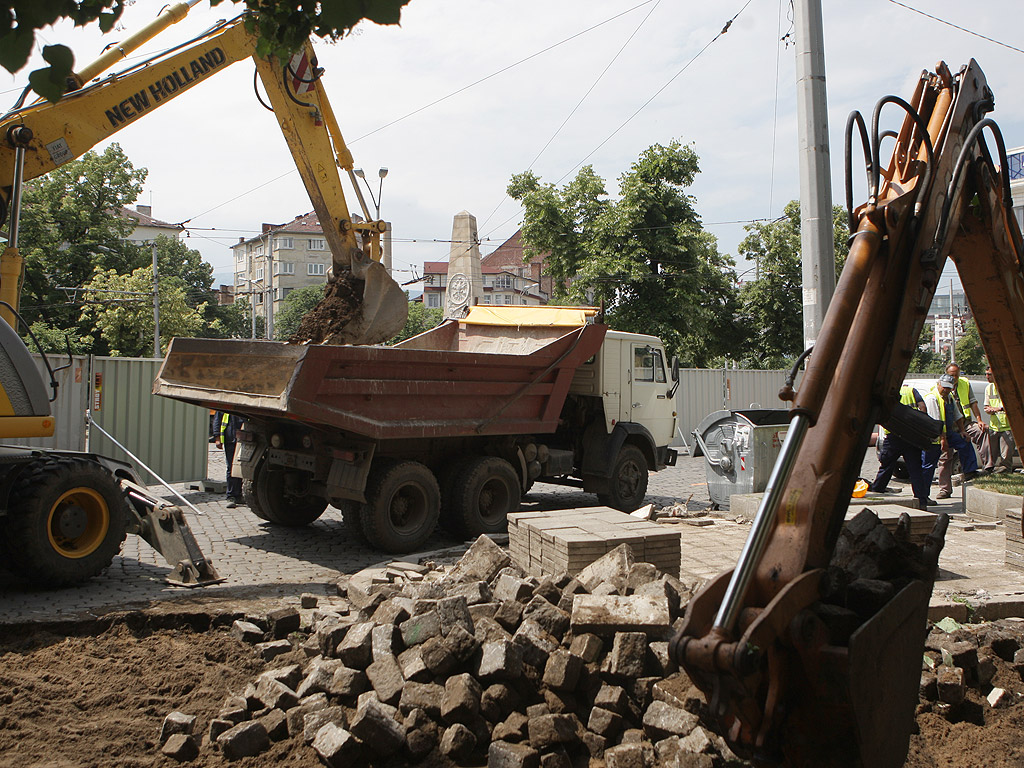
x=649, y=403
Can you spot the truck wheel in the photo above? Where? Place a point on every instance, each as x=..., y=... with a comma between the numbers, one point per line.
x=485, y=492
x=252, y=500
x=280, y=505
x=403, y=504
x=628, y=484
x=66, y=521
x=351, y=514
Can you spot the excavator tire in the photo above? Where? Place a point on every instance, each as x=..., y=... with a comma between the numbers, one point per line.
x=66, y=521
x=280, y=506
x=628, y=484
x=485, y=492
x=403, y=505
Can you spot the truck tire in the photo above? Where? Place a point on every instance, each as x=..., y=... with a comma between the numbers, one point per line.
x=279, y=505
x=403, y=505
x=485, y=492
x=627, y=486
x=252, y=500
x=352, y=515
x=65, y=522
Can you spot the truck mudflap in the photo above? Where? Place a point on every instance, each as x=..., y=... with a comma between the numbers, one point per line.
x=162, y=525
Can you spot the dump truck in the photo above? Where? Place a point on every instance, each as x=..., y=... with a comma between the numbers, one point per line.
x=454, y=424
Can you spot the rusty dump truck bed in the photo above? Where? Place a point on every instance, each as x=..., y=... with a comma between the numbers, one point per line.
x=458, y=379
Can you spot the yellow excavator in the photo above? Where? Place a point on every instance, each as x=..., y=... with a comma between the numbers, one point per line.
x=64, y=515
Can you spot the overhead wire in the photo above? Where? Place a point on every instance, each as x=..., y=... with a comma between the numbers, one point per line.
x=957, y=26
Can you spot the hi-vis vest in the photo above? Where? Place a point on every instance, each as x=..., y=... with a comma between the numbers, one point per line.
x=997, y=421
x=907, y=397
x=942, y=412
x=963, y=394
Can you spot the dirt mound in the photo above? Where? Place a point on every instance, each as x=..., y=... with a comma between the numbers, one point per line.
x=326, y=322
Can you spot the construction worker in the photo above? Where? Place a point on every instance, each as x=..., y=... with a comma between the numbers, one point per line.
x=228, y=426
x=894, y=446
x=937, y=403
x=1000, y=439
x=967, y=430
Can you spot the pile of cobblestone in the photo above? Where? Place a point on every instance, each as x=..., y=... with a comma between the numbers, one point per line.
x=966, y=665
x=472, y=664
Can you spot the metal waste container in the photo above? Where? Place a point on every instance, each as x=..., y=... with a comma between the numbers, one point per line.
x=740, y=448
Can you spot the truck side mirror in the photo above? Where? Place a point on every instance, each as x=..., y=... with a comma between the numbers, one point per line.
x=675, y=376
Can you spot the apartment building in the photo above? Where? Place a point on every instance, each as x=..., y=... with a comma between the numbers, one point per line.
x=280, y=259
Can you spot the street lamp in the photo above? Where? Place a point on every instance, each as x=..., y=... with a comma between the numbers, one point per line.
x=382, y=172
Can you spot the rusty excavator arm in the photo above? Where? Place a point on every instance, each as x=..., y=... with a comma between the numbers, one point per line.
x=794, y=677
x=37, y=137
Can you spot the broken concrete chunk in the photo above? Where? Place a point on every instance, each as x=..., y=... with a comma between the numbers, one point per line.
x=385, y=640
x=535, y=643
x=423, y=696
x=275, y=694
x=503, y=754
x=640, y=574
x=337, y=747
x=312, y=722
x=457, y=742
x=244, y=740
x=356, y=649
x=514, y=728
x=283, y=621
x=386, y=678
x=461, y=643
x=181, y=747
x=587, y=646
x=273, y=649
x=662, y=720
x=391, y=611
x=482, y=561
x=605, y=615
x=347, y=683
x=511, y=588
x=461, y=702
x=413, y=668
x=420, y=628
x=497, y=702
x=604, y=722
x=554, y=620
x=276, y=724
x=177, y=722
x=509, y=614
x=562, y=671
x=629, y=652
x=308, y=600
x=437, y=658
x=952, y=687
x=501, y=660
x=375, y=725
x=246, y=632
x=475, y=593
x=611, y=569
x=997, y=697
x=548, y=730
x=454, y=611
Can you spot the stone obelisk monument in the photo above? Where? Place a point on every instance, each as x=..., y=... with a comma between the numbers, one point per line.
x=465, y=279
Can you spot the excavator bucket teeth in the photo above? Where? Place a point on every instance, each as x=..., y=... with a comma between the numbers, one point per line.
x=367, y=310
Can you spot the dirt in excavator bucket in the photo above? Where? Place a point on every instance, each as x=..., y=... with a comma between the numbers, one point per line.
x=355, y=311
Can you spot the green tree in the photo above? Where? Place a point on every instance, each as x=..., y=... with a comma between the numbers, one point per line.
x=926, y=359
x=420, y=319
x=771, y=305
x=125, y=322
x=70, y=225
x=970, y=355
x=645, y=257
x=56, y=340
x=295, y=306
x=283, y=26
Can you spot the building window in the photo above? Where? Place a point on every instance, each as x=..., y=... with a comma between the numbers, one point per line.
x=284, y=268
x=433, y=300
x=522, y=300
x=259, y=297
x=503, y=281
x=259, y=274
x=282, y=293
x=258, y=250
x=487, y=299
x=316, y=269
x=317, y=244
x=284, y=243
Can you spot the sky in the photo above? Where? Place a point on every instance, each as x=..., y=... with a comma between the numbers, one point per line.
x=466, y=93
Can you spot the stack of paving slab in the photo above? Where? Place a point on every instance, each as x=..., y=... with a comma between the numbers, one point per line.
x=568, y=540
x=1014, y=540
x=921, y=521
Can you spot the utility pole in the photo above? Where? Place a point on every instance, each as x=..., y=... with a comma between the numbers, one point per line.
x=816, y=233
x=156, y=306
x=952, y=326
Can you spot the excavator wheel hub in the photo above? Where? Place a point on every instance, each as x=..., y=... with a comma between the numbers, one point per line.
x=78, y=522
x=72, y=521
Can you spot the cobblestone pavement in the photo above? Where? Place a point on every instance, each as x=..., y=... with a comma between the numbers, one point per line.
x=263, y=562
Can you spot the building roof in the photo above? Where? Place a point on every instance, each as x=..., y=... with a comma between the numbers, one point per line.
x=144, y=218
x=511, y=253
x=306, y=224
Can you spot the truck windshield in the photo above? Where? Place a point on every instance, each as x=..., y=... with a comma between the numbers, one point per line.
x=648, y=364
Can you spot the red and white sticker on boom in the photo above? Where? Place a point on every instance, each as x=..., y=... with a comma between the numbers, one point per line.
x=301, y=71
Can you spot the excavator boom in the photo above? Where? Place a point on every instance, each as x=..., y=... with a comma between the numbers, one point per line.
x=800, y=669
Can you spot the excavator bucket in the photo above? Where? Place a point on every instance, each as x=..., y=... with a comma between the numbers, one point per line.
x=370, y=310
